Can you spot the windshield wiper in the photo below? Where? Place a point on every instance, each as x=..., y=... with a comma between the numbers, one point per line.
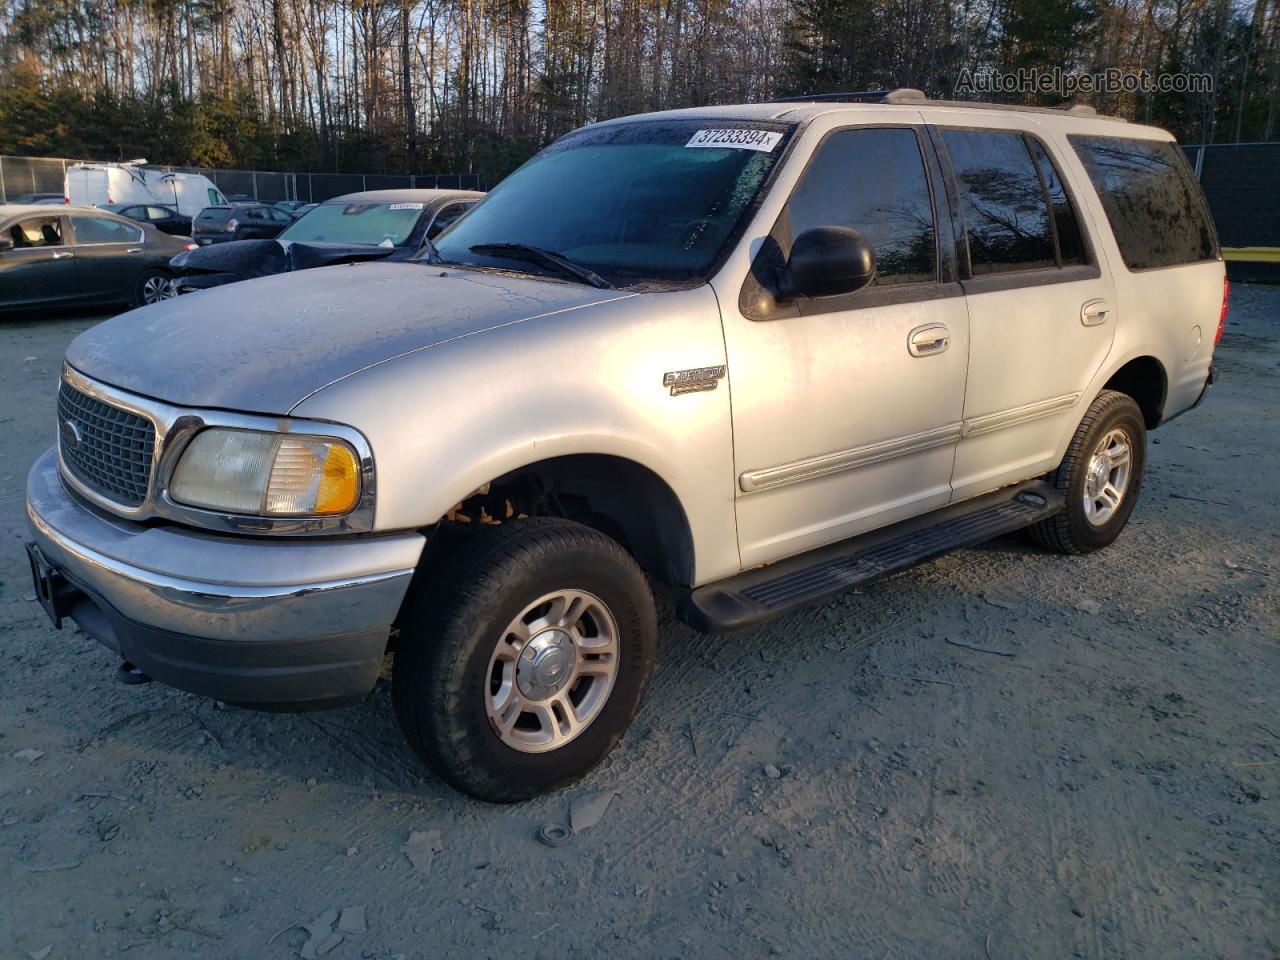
x=547, y=258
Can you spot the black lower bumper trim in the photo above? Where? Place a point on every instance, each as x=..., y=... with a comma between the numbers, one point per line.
x=267, y=675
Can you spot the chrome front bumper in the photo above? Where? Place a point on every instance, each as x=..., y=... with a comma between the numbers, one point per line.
x=255, y=620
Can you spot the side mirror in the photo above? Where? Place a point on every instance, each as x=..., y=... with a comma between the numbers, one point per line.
x=6, y=242
x=826, y=262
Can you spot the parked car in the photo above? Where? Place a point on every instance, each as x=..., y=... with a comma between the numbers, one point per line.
x=227, y=222
x=165, y=219
x=762, y=353
x=293, y=206
x=81, y=256
x=107, y=184
x=27, y=199
x=375, y=225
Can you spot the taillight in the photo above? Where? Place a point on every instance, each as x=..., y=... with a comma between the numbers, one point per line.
x=191, y=246
x=1222, y=317
x=231, y=225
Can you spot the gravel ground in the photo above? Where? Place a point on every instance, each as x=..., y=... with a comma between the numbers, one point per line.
x=845, y=782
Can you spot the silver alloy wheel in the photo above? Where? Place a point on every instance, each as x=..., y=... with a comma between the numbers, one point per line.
x=552, y=671
x=1107, y=476
x=156, y=289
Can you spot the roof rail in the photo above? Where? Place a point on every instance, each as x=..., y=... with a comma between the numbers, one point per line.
x=858, y=96
x=905, y=95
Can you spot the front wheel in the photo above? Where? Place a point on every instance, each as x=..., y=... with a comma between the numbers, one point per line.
x=1100, y=477
x=520, y=667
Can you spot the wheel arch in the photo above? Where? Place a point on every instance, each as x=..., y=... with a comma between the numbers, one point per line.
x=616, y=495
x=1145, y=380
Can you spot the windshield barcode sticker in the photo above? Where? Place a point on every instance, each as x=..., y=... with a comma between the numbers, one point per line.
x=406, y=206
x=763, y=140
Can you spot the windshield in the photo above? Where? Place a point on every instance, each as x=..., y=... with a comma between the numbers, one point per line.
x=647, y=201
x=356, y=223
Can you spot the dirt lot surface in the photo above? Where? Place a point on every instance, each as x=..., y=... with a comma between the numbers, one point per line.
x=853, y=781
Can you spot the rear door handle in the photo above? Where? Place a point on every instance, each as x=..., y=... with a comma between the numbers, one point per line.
x=1094, y=313
x=134, y=250
x=62, y=254
x=929, y=340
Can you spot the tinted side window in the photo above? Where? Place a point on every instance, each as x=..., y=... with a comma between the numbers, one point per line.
x=874, y=181
x=1065, y=222
x=1152, y=201
x=102, y=230
x=1002, y=202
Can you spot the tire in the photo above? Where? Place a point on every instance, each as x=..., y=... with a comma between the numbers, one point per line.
x=152, y=287
x=456, y=666
x=1086, y=524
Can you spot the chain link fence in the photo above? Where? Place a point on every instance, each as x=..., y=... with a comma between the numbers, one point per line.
x=23, y=177
x=1239, y=181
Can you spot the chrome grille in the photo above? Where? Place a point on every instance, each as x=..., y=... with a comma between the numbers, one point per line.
x=107, y=449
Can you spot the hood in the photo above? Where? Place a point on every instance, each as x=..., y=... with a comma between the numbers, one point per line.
x=263, y=345
x=263, y=258
x=248, y=258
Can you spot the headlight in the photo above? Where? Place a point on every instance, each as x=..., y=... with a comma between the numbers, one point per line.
x=267, y=474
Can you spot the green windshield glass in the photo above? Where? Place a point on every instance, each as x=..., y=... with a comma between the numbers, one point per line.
x=356, y=223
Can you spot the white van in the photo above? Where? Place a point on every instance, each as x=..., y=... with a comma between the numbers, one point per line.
x=94, y=184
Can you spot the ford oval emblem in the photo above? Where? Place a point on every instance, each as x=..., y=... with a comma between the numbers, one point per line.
x=70, y=431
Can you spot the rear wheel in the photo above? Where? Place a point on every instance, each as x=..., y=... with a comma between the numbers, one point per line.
x=521, y=665
x=1100, y=477
x=152, y=287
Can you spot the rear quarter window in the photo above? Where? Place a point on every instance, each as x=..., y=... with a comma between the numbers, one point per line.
x=1152, y=201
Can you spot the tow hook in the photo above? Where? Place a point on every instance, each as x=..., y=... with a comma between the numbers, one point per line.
x=130, y=674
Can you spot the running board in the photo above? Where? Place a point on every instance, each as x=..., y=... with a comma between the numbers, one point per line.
x=766, y=593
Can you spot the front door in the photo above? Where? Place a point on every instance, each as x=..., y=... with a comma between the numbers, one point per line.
x=1042, y=314
x=847, y=410
x=38, y=269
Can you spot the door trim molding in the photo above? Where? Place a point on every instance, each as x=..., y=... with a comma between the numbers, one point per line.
x=1012, y=417
x=811, y=468
x=766, y=478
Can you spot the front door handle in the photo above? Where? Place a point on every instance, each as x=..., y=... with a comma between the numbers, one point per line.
x=62, y=254
x=1094, y=313
x=929, y=340
x=134, y=250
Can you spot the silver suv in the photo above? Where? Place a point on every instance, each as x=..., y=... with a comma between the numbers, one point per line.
x=762, y=353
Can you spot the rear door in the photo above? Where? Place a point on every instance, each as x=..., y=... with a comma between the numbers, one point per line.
x=110, y=254
x=39, y=269
x=87, y=185
x=1042, y=313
